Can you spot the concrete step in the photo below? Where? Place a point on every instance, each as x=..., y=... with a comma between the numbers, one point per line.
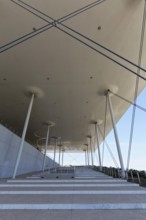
x=67, y=199
x=73, y=198
x=105, y=206
x=67, y=181
x=86, y=214
x=19, y=185
x=73, y=192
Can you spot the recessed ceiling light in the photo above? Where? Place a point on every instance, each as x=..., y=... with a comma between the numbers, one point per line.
x=91, y=77
x=99, y=28
x=86, y=102
x=4, y=79
x=47, y=78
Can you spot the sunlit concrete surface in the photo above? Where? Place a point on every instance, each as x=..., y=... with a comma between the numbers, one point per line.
x=101, y=197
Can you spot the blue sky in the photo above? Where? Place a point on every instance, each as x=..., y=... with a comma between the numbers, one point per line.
x=138, y=153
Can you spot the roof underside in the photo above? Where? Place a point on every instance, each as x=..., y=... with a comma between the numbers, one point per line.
x=70, y=73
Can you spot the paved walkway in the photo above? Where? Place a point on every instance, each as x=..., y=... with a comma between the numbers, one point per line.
x=90, y=195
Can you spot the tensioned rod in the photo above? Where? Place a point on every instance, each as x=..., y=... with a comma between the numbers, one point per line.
x=59, y=21
x=23, y=136
x=137, y=83
x=113, y=60
x=108, y=147
x=128, y=101
x=46, y=146
x=45, y=27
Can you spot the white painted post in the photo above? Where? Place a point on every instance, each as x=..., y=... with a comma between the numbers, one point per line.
x=116, y=135
x=92, y=162
x=60, y=145
x=46, y=145
x=87, y=153
x=85, y=156
x=55, y=138
x=23, y=136
x=62, y=156
x=48, y=124
x=99, y=155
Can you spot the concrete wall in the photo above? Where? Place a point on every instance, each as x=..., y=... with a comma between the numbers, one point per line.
x=31, y=159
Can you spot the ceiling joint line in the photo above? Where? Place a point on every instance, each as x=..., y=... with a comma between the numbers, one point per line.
x=91, y=47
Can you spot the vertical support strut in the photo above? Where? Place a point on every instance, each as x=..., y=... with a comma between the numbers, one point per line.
x=86, y=157
x=91, y=151
x=49, y=124
x=62, y=157
x=99, y=155
x=47, y=139
x=55, y=138
x=60, y=145
x=87, y=154
x=116, y=135
x=23, y=136
x=90, y=142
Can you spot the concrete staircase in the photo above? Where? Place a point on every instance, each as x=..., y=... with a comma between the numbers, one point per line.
x=90, y=195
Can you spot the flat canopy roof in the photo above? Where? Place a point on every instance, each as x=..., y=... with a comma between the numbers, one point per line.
x=54, y=46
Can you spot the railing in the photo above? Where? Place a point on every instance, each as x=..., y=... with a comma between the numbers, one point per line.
x=134, y=176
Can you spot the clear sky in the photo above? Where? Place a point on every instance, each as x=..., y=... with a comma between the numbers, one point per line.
x=138, y=153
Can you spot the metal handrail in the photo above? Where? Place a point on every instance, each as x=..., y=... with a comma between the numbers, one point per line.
x=138, y=177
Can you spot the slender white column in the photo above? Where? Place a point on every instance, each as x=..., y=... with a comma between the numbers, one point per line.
x=55, y=138
x=60, y=145
x=62, y=156
x=91, y=151
x=87, y=154
x=47, y=139
x=92, y=162
x=99, y=155
x=48, y=124
x=116, y=135
x=23, y=136
x=86, y=158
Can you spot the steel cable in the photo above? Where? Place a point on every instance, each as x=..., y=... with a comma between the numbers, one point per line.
x=136, y=85
x=59, y=21
x=44, y=28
